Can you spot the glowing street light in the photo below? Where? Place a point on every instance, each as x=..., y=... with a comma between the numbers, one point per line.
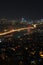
x=34, y=25
x=41, y=54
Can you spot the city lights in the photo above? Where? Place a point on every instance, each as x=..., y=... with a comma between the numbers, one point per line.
x=21, y=32
x=21, y=43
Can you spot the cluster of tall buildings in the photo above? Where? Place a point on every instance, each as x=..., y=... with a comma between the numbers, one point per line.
x=22, y=20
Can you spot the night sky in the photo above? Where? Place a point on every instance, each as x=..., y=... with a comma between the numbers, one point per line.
x=20, y=8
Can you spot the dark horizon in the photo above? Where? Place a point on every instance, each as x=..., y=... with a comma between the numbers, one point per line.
x=18, y=9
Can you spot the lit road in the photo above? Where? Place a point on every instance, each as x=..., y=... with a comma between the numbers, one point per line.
x=11, y=31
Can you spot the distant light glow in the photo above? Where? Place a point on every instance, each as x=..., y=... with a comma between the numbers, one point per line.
x=34, y=25
x=5, y=30
x=0, y=41
x=33, y=62
x=41, y=54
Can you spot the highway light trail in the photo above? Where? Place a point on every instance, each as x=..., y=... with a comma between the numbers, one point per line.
x=11, y=31
x=16, y=30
